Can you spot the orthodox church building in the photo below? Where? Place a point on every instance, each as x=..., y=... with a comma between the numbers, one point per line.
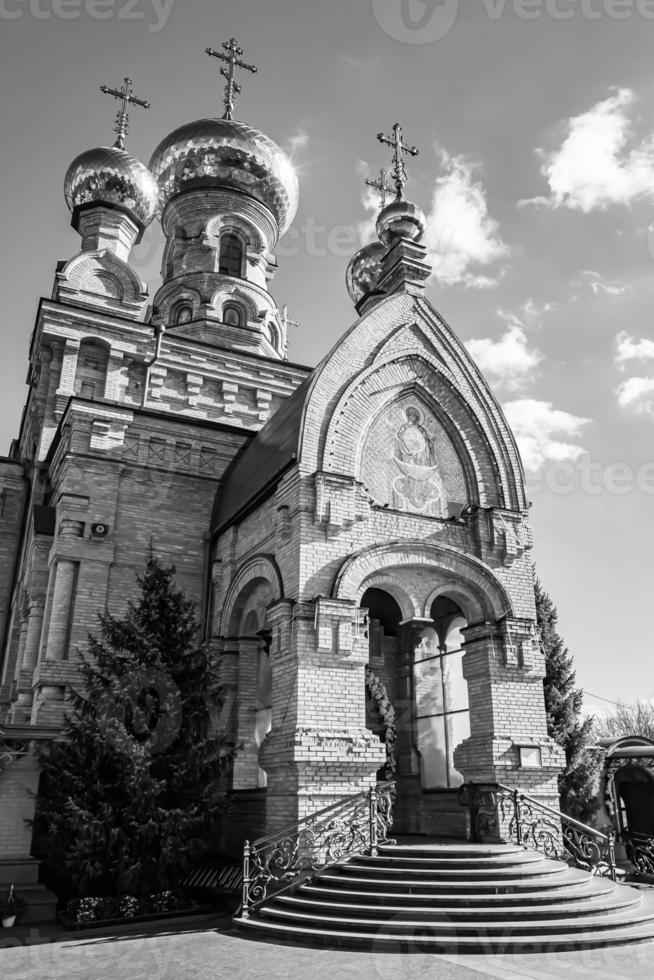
x=355, y=535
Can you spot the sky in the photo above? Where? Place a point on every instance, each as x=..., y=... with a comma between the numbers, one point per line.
x=535, y=124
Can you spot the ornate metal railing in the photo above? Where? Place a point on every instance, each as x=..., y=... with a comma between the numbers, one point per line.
x=497, y=810
x=355, y=825
x=640, y=851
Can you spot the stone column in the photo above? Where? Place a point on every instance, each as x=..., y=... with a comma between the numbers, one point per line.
x=319, y=749
x=23, y=706
x=246, y=763
x=62, y=602
x=504, y=670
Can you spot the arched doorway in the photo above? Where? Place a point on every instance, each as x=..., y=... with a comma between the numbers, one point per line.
x=416, y=664
x=634, y=793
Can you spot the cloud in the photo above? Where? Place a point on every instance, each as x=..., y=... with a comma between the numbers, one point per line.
x=600, y=162
x=599, y=285
x=509, y=360
x=636, y=395
x=371, y=202
x=628, y=349
x=461, y=236
x=543, y=432
x=299, y=141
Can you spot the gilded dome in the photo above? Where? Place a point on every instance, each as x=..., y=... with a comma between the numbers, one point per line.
x=401, y=219
x=363, y=270
x=227, y=153
x=112, y=176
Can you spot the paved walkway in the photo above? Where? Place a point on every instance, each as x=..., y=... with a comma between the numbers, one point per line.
x=210, y=950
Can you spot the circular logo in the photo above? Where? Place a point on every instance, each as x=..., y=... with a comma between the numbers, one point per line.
x=415, y=21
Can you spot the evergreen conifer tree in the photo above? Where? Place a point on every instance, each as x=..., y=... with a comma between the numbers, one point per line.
x=579, y=782
x=132, y=789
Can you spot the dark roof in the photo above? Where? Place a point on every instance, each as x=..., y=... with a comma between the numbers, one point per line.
x=256, y=470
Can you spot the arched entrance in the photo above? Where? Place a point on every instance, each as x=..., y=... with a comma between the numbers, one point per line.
x=416, y=666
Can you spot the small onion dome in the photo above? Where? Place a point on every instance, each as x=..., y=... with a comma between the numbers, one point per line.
x=227, y=153
x=401, y=219
x=363, y=270
x=108, y=175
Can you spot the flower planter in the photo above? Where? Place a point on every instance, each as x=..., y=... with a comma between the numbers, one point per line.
x=69, y=922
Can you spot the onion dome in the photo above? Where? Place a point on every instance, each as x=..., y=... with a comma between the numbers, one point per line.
x=227, y=153
x=401, y=219
x=363, y=270
x=110, y=175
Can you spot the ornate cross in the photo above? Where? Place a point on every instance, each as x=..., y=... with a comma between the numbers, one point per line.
x=233, y=60
x=380, y=185
x=121, y=126
x=400, y=148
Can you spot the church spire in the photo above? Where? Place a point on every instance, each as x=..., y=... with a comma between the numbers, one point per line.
x=233, y=61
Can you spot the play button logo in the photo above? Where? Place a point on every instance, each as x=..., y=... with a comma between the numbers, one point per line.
x=415, y=21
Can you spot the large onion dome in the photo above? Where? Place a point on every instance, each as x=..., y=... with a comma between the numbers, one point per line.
x=363, y=270
x=227, y=153
x=109, y=175
x=401, y=219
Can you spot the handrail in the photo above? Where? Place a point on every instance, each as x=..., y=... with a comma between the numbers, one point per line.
x=497, y=812
x=557, y=813
x=354, y=825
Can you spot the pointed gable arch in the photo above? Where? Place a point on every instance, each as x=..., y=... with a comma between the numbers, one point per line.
x=400, y=345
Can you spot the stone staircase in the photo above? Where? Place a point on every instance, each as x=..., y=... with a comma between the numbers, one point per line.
x=455, y=897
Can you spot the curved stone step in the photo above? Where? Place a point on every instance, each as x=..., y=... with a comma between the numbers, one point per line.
x=557, y=880
x=376, y=866
x=387, y=941
x=602, y=905
x=587, y=888
x=430, y=925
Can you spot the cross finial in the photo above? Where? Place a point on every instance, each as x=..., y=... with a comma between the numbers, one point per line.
x=121, y=126
x=233, y=61
x=380, y=185
x=400, y=148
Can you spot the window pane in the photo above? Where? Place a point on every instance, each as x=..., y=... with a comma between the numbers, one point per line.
x=428, y=687
x=431, y=745
x=428, y=646
x=456, y=688
x=458, y=728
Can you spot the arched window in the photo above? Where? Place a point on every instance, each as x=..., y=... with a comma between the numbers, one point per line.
x=233, y=315
x=231, y=256
x=91, y=373
x=183, y=313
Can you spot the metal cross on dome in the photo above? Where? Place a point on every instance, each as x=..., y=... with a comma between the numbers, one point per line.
x=121, y=126
x=380, y=185
x=233, y=61
x=400, y=148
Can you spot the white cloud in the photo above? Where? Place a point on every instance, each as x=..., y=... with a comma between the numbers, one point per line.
x=599, y=285
x=299, y=141
x=637, y=395
x=543, y=432
x=600, y=162
x=461, y=236
x=628, y=349
x=509, y=360
x=529, y=314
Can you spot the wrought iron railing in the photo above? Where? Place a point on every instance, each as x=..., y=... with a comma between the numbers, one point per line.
x=640, y=851
x=497, y=810
x=355, y=825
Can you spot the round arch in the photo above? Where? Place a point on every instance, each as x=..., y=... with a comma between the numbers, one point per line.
x=471, y=583
x=258, y=569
